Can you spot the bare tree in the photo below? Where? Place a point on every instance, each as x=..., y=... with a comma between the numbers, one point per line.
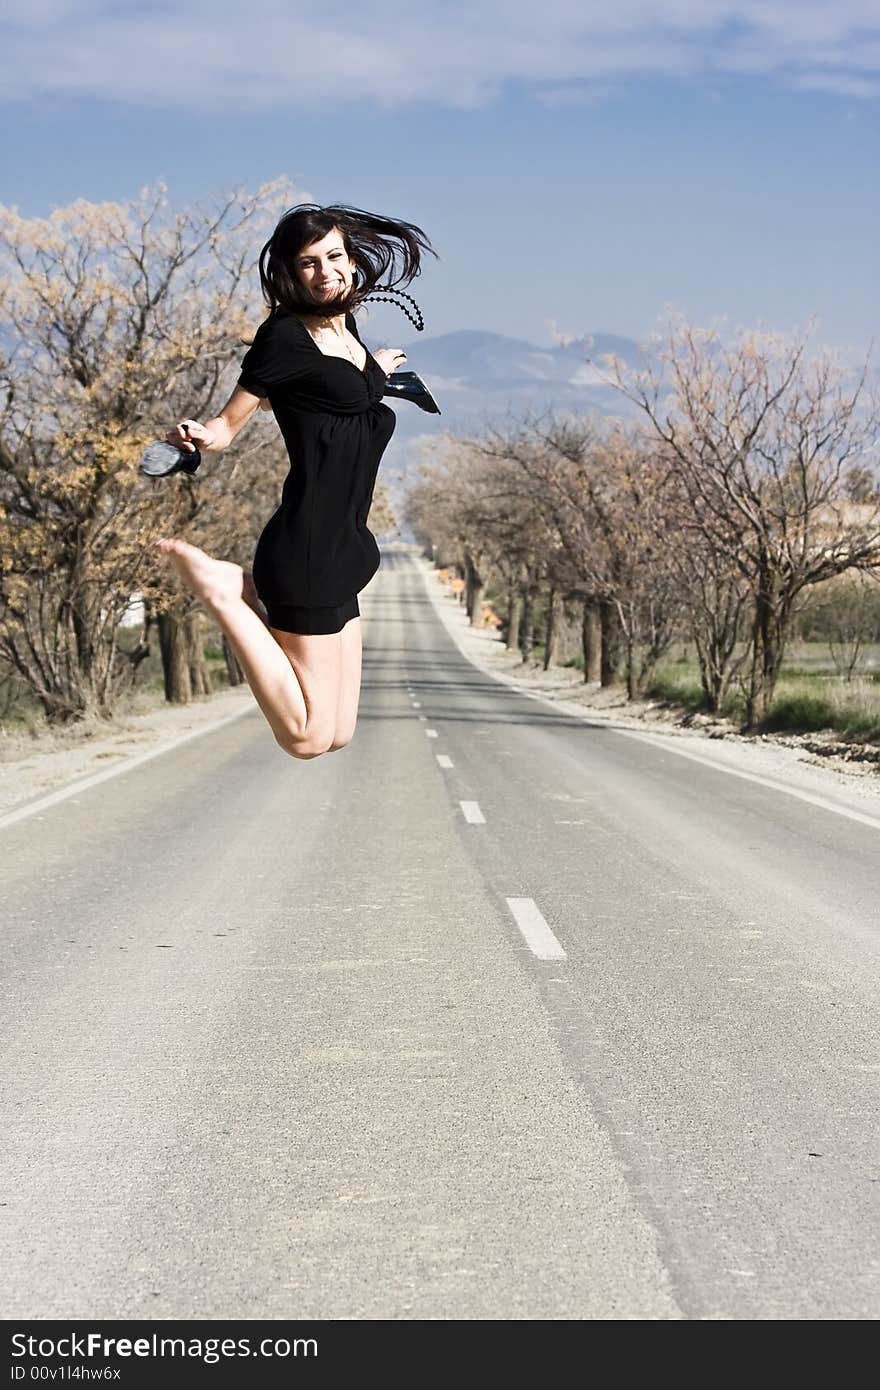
x=473, y=509
x=601, y=491
x=845, y=613
x=764, y=445
x=117, y=318
x=718, y=593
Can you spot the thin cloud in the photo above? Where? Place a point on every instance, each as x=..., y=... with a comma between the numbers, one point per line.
x=210, y=55
x=842, y=84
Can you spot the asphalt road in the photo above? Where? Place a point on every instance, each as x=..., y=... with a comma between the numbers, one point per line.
x=493, y=1014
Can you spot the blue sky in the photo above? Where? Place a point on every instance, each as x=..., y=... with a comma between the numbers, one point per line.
x=572, y=162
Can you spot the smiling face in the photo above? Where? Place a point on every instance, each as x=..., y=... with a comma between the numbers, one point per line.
x=324, y=268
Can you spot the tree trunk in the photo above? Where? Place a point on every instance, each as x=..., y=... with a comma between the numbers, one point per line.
x=715, y=671
x=772, y=616
x=233, y=670
x=555, y=613
x=591, y=642
x=632, y=675
x=82, y=631
x=527, y=626
x=475, y=588
x=646, y=674
x=87, y=673
x=199, y=675
x=717, y=627
x=175, y=658
x=609, y=621
x=514, y=616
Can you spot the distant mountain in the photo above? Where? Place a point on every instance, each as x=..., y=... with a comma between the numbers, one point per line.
x=512, y=362
x=481, y=378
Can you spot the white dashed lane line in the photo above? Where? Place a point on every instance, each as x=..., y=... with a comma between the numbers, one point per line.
x=536, y=933
x=525, y=912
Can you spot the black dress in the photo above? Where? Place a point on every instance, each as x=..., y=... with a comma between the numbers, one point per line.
x=316, y=553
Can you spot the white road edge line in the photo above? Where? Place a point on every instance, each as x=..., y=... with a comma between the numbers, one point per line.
x=655, y=742
x=444, y=760
x=820, y=801
x=536, y=933
x=472, y=813
x=54, y=798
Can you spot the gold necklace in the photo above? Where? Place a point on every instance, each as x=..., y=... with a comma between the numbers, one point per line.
x=343, y=337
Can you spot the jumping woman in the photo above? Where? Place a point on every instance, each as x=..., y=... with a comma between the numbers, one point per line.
x=308, y=365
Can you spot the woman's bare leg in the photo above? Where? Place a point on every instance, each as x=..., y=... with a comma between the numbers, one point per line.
x=252, y=598
x=316, y=660
x=349, y=684
x=300, y=709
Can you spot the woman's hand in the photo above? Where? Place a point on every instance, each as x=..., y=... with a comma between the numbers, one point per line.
x=389, y=358
x=188, y=435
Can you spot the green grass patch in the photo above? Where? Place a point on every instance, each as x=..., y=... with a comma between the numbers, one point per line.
x=811, y=703
x=803, y=703
x=679, y=684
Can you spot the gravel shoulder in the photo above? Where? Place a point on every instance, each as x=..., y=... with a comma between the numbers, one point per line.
x=816, y=763
x=33, y=765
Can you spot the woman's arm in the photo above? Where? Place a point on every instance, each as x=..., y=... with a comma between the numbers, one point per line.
x=219, y=432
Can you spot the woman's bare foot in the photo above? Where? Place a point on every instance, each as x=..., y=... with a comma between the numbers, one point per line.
x=214, y=582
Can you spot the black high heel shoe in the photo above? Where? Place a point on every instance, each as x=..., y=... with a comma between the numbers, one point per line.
x=161, y=459
x=408, y=386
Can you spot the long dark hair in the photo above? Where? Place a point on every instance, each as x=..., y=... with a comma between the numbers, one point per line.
x=382, y=249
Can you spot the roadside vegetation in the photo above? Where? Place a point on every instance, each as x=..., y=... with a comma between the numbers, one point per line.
x=732, y=511
x=806, y=699
x=117, y=320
